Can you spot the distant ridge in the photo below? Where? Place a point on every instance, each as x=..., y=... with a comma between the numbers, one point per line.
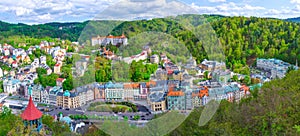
x=296, y=19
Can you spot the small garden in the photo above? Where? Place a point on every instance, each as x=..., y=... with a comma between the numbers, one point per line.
x=112, y=107
x=78, y=117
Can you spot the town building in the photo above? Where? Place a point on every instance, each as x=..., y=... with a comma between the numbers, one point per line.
x=143, y=92
x=67, y=99
x=161, y=74
x=43, y=60
x=85, y=93
x=107, y=53
x=10, y=85
x=57, y=68
x=243, y=92
x=53, y=92
x=101, y=92
x=36, y=92
x=154, y=59
x=80, y=67
x=60, y=81
x=222, y=76
x=1, y=72
x=278, y=68
x=131, y=90
x=114, y=91
x=176, y=99
x=191, y=63
x=106, y=40
x=199, y=95
x=212, y=65
x=142, y=56
x=157, y=101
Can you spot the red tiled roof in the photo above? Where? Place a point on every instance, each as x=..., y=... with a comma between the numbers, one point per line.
x=31, y=112
x=245, y=89
x=110, y=36
x=150, y=83
x=175, y=93
x=195, y=94
x=203, y=92
x=132, y=85
x=60, y=79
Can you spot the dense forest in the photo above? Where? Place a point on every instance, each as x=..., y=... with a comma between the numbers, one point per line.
x=70, y=31
x=242, y=39
x=274, y=111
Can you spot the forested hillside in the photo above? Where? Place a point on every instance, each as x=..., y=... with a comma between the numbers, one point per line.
x=273, y=112
x=70, y=31
x=243, y=39
x=296, y=19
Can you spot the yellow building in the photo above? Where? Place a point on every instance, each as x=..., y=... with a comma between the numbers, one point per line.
x=157, y=101
x=67, y=99
x=27, y=60
x=57, y=68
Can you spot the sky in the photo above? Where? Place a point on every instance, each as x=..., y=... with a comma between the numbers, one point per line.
x=44, y=11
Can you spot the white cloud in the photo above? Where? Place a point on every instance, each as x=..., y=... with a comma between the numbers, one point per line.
x=41, y=11
x=217, y=0
x=245, y=9
x=130, y=9
x=20, y=11
x=286, y=12
x=295, y=1
x=229, y=9
x=45, y=17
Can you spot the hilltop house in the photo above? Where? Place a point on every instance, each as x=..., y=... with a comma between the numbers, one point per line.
x=57, y=68
x=212, y=65
x=1, y=72
x=114, y=40
x=60, y=81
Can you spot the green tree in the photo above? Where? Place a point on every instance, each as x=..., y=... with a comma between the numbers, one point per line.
x=68, y=84
x=235, y=78
x=247, y=80
x=206, y=74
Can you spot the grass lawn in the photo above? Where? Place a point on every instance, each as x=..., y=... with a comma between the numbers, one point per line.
x=110, y=108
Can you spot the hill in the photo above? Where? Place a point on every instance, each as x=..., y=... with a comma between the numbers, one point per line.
x=271, y=112
x=297, y=19
x=241, y=38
